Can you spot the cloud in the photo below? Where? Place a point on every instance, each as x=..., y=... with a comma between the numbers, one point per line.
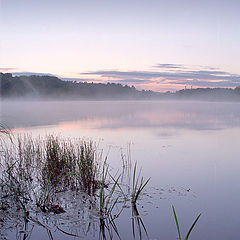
x=198, y=78
x=118, y=74
x=196, y=83
x=80, y=79
x=172, y=76
x=31, y=73
x=7, y=69
x=169, y=65
x=135, y=81
x=209, y=75
x=172, y=66
x=209, y=68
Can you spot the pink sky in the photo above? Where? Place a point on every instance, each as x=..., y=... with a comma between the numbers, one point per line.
x=158, y=45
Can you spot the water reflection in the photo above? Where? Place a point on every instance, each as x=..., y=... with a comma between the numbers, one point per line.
x=186, y=146
x=138, y=226
x=59, y=186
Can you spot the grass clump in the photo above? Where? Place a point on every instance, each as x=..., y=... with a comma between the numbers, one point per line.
x=35, y=170
x=71, y=165
x=59, y=161
x=88, y=168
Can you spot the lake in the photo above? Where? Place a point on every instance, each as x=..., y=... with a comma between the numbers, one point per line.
x=189, y=149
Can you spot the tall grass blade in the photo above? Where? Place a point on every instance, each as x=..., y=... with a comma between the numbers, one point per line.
x=134, y=175
x=141, y=187
x=191, y=228
x=176, y=220
x=137, y=187
x=46, y=195
x=178, y=228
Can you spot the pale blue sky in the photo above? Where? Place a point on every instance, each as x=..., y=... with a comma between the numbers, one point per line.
x=69, y=38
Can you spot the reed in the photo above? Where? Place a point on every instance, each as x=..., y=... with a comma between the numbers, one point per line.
x=35, y=170
x=137, y=185
x=178, y=228
x=72, y=165
x=88, y=168
x=106, y=200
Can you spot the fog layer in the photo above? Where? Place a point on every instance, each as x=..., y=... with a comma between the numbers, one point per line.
x=122, y=114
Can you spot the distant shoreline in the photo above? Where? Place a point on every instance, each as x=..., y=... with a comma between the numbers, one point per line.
x=50, y=88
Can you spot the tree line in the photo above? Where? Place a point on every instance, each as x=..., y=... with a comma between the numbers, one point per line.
x=54, y=88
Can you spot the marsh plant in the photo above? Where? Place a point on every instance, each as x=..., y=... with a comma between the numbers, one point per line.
x=71, y=165
x=16, y=178
x=37, y=174
x=138, y=184
x=41, y=177
x=108, y=194
x=35, y=170
x=178, y=227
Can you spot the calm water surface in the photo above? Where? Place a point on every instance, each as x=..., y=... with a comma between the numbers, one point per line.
x=190, y=150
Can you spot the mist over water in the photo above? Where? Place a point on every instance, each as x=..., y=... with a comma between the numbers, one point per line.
x=189, y=149
x=120, y=114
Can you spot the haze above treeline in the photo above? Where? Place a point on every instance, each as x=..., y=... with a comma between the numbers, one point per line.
x=51, y=87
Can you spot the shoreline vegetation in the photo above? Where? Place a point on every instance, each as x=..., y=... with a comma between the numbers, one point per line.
x=53, y=88
x=51, y=176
